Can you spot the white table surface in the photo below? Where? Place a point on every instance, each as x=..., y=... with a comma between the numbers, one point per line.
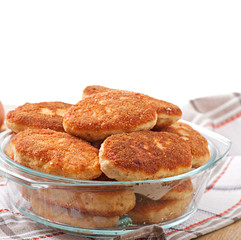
x=171, y=50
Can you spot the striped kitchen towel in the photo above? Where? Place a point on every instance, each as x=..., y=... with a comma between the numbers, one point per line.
x=221, y=203
x=219, y=206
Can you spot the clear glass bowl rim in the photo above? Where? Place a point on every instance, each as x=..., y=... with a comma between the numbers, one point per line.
x=30, y=175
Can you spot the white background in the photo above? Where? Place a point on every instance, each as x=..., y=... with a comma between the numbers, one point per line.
x=171, y=50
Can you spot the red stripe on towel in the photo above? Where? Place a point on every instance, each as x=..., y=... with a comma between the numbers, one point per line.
x=222, y=173
x=225, y=122
x=46, y=236
x=204, y=220
x=8, y=210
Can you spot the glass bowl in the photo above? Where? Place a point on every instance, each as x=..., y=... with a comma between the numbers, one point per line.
x=105, y=208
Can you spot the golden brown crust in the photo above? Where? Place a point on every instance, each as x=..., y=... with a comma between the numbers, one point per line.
x=144, y=155
x=103, y=114
x=148, y=211
x=56, y=153
x=197, y=143
x=71, y=216
x=167, y=113
x=47, y=115
x=93, y=89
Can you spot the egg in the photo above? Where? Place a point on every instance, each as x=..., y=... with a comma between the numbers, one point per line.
x=1, y=115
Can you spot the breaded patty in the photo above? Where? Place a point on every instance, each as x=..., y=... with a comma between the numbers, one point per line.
x=93, y=89
x=144, y=155
x=198, y=143
x=101, y=115
x=167, y=113
x=148, y=211
x=71, y=216
x=56, y=153
x=180, y=191
x=47, y=115
x=106, y=203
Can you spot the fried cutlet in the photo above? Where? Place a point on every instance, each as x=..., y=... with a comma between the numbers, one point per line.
x=144, y=155
x=198, y=143
x=56, y=153
x=148, y=211
x=167, y=113
x=180, y=191
x=106, y=203
x=93, y=89
x=71, y=216
x=43, y=115
x=101, y=115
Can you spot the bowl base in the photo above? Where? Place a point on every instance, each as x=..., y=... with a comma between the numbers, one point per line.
x=125, y=225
